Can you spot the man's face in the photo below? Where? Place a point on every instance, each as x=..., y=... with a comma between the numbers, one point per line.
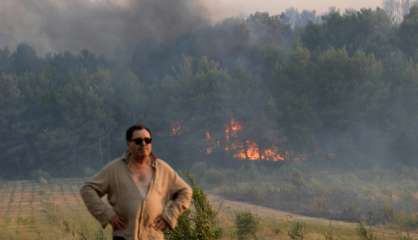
x=138, y=145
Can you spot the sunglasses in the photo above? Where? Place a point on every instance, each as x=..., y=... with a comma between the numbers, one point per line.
x=141, y=141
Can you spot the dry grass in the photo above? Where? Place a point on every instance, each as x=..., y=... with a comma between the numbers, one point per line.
x=53, y=210
x=34, y=210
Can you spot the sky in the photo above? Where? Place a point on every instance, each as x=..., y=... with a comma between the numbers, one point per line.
x=223, y=8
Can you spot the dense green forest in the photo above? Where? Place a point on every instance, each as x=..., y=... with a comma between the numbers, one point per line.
x=341, y=89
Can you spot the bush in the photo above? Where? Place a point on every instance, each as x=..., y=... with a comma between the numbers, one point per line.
x=246, y=224
x=365, y=233
x=297, y=231
x=199, y=222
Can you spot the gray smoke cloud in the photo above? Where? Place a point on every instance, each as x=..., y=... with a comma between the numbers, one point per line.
x=106, y=27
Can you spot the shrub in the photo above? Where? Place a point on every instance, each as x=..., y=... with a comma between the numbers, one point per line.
x=199, y=222
x=246, y=226
x=365, y=233
x=297, y=231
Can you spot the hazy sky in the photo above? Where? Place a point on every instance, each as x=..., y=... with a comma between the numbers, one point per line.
x=223, y=8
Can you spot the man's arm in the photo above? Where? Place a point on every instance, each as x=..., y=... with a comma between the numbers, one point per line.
x=91, y=193
x=181, y=194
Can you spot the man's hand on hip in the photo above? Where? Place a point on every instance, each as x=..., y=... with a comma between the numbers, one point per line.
x=160, y=224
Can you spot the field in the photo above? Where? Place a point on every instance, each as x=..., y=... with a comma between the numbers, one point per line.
x=45, y=210
x=53, y=210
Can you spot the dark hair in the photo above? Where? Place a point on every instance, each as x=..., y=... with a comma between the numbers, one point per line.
x=134, y=128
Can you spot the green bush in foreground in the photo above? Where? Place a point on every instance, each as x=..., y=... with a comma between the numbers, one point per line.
x=246, y=224
x=297, y=231
x=197, y=223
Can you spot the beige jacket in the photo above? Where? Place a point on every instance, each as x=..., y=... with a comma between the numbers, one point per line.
x=168, y=195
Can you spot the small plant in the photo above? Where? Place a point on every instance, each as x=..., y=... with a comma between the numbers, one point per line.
x=198, y=223
x=297, y=231
x=365, y=233
x=246, y=224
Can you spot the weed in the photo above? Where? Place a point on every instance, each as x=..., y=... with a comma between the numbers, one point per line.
x=297, y=231
x=365, y=233
x=246, y=226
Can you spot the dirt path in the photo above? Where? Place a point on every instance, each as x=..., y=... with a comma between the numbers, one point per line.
x=220, y=202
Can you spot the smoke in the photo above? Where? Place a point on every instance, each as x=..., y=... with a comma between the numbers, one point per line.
x=220, y=9
x=114, y=27
x=106, y=27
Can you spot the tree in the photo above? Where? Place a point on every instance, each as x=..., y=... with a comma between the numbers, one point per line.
x=366, y=30
x=408, y=34
x=25, y=59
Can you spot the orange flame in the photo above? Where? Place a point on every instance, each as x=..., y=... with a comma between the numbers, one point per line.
x=254, y=153
x=239, y=148
x=247, y=150
x=232, y=129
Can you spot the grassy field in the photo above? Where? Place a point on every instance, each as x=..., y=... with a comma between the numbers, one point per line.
x=45, y=210
x=53, y=210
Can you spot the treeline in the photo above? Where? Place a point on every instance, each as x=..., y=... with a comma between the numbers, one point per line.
x=340, y=90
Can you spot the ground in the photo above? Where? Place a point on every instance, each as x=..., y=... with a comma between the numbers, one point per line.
x=53, y=210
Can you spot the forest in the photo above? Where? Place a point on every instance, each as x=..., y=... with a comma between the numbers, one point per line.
x=339, y=90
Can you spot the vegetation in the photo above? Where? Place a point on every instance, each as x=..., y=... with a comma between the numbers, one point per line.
x=246, y=224
x=297, y=231
x=339, y=90
x=378, y=196
x=365, y=233
x=198, y=223
x=53, y=209
x=336, y=95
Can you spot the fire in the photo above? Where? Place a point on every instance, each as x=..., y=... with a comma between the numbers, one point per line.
x=272, y=154
x=240, y=148
x=232, y=129
x=253, y=152
x=243, y=150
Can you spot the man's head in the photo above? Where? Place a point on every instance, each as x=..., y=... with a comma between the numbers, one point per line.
x=139, y=140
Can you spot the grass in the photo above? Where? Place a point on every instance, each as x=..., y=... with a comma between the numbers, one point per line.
x=376, y=196
x=53, y=210
x=34, y=210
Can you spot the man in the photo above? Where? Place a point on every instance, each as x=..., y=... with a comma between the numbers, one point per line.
x=144, y=193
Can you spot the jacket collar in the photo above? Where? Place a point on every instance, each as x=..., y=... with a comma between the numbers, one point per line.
x=126, y=156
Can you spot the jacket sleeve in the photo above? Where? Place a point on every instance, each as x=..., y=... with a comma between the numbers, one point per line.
x=180, y=194
x=92, y=192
